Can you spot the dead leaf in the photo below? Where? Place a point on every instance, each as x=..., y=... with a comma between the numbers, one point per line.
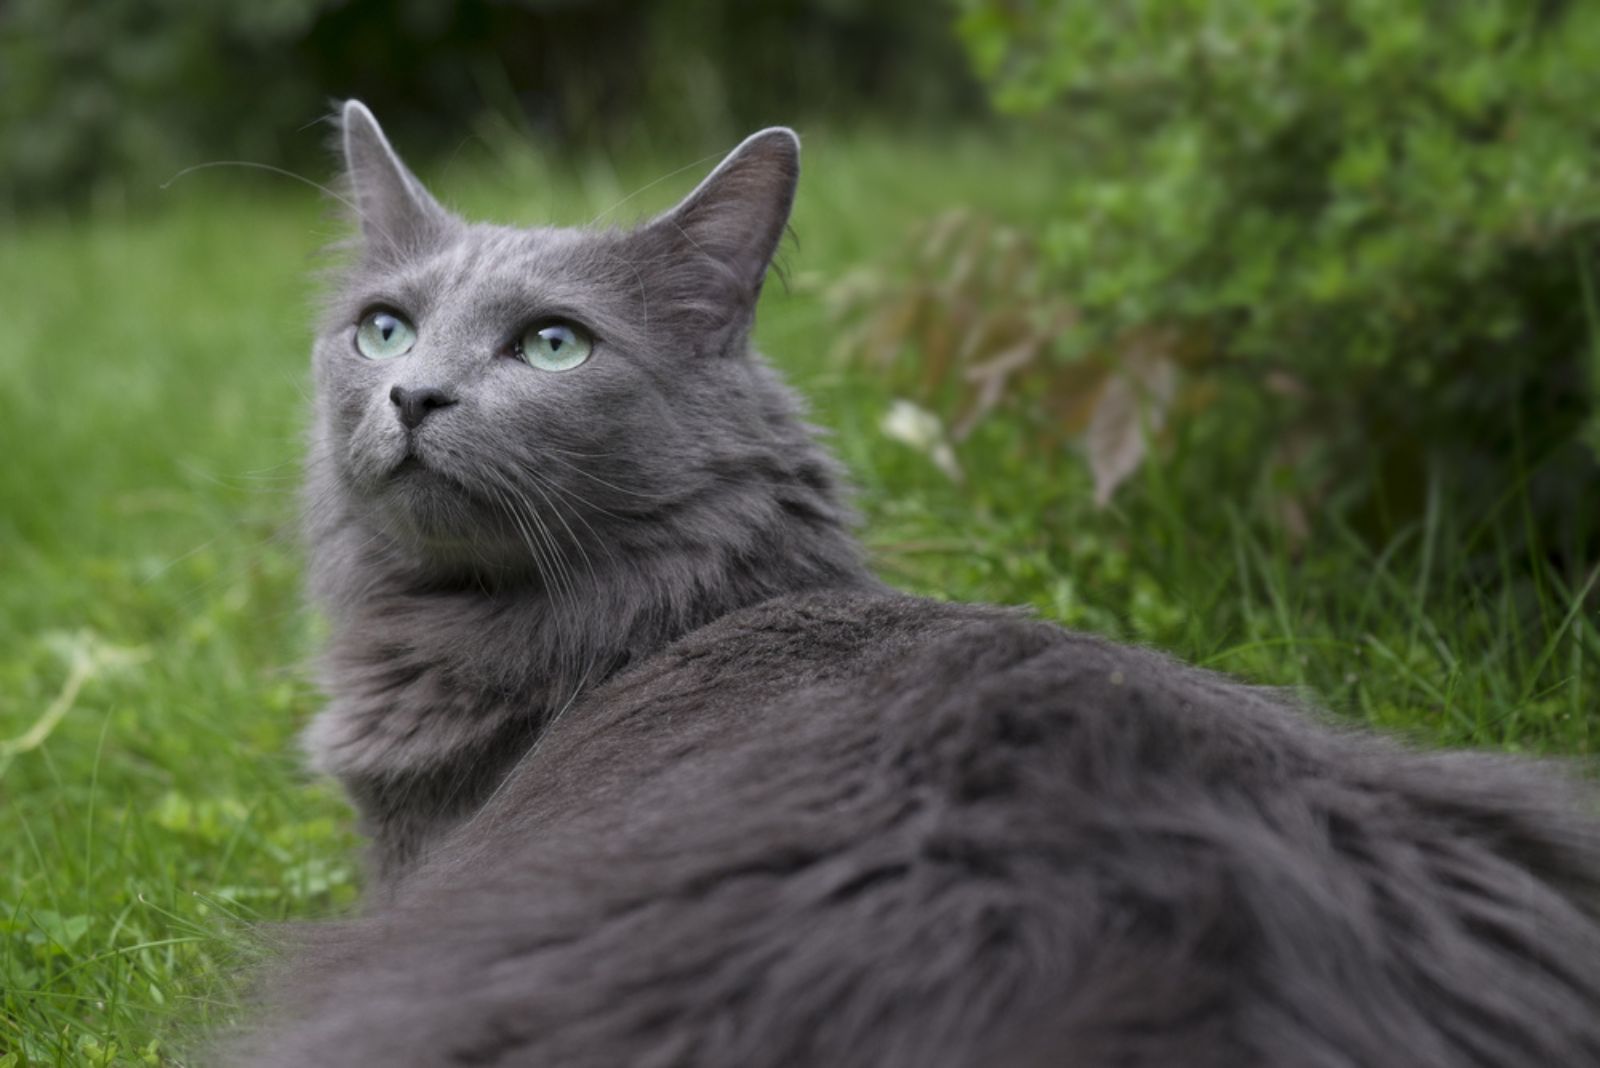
x=1131, y=410
x=991, y=378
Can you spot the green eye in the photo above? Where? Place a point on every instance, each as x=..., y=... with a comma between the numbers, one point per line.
x=555, y=346
x=383, y=335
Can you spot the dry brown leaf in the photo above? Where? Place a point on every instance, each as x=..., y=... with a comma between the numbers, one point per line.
x=1131, y=409
x=1072, y=392
x=991, y=378
x=974, y=306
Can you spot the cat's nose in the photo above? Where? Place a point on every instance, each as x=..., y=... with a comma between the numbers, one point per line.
x=415, y=404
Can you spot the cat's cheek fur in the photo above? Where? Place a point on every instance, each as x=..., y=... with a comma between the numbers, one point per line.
x=374, y=448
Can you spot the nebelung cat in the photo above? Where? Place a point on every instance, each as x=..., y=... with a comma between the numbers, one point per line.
x=657, y=774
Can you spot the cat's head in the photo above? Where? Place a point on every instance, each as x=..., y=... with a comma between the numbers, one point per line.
x=488, y=395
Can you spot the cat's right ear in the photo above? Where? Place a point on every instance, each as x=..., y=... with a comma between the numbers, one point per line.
x=396, y=213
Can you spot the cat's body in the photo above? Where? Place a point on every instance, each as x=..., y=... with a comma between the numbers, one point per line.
x=716, y=797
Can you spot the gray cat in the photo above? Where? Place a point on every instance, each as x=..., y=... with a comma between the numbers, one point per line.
x=657, y=774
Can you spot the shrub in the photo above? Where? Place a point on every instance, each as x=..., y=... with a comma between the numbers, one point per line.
x=1386, y=210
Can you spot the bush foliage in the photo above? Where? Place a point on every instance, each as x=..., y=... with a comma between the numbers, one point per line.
x=1378, y=216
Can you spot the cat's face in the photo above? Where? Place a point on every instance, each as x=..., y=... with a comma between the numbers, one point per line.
x=488, y=395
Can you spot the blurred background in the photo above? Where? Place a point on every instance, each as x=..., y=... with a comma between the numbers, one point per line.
x=1264, y=331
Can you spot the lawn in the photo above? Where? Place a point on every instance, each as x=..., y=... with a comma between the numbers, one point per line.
x=152, y=634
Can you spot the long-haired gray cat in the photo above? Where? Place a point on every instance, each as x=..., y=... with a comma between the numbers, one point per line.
x=657, y=774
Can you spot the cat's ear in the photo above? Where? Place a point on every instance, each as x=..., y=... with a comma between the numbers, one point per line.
x=736, y=217
x=396, y=213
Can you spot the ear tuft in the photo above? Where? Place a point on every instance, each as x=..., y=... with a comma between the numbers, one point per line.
x=396, y=213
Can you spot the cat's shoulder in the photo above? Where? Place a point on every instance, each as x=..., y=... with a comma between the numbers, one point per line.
x=841, y=627
x=824, y=636
x=876, y=648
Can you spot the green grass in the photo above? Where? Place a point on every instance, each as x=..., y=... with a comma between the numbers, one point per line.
x=152, y=635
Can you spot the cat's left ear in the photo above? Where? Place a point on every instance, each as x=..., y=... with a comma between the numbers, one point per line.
x=736, y=217
x=397, y=214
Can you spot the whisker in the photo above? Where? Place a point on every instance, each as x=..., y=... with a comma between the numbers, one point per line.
x=573, y=496
x=534, y=549
x=349, y=204
x=252, y=165
x=610, y=485
x=576, y=541
x=537, y=537
x=696, y=165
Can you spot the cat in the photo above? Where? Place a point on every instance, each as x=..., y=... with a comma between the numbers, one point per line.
x=656, y=773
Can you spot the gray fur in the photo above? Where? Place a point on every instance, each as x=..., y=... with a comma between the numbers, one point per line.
x=675, y=782
x=565, y=524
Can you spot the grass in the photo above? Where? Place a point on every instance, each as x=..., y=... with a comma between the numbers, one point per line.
x=152, y=634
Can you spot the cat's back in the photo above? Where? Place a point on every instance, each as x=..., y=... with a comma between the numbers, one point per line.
x=844, y=829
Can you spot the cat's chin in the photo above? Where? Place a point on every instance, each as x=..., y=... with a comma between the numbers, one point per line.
x=411, y=466
x=442, y=557
x=424, y=492
x=447, y=532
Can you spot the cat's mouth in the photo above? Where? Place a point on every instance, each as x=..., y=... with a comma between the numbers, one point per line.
x=412, y=474
x=419, y=480
x=411, y=463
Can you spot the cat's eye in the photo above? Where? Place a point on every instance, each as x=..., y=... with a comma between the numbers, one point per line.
x=555, y=345
x=383, y=335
